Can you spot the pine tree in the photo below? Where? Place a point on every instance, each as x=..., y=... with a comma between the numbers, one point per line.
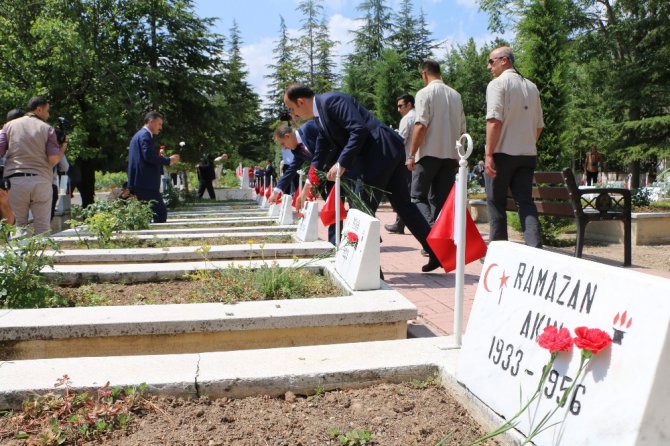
x=325, y=76
x=369, y=42
x=284, y=71
x=308, y=41
x=543, y=38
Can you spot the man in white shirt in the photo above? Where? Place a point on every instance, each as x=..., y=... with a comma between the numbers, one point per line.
x=406, y=127
x=440, y=122
x=513, y=125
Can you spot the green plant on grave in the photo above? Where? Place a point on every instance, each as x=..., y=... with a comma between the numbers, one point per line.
x=353, y=437
x=431, y=381
x=104, y=218
x=73, y=418
x=640, y=197
x=21, y=260
x=234, y=284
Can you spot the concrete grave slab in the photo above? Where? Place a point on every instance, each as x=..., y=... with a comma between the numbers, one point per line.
x=190, y=253
x=623, y=397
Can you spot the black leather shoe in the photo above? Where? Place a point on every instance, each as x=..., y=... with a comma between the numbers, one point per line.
x=395, y=228
x=432, y=265
x=381, y=274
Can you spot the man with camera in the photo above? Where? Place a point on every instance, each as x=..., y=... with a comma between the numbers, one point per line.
x=32, y=149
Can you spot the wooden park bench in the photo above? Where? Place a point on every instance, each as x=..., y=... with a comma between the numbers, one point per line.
x=556, y=194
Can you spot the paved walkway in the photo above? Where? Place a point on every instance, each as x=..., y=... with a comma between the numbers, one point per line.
x=433, y=293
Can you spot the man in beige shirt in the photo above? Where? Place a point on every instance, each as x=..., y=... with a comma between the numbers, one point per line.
x=513, y=125
x=32, y=150
x=440, y=122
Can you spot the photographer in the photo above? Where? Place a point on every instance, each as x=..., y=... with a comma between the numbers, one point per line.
x=32, y=150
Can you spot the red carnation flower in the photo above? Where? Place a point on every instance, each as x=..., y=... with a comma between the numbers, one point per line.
x=555, y=340
x=591, y=340
x=352, y=237
x=313, y=177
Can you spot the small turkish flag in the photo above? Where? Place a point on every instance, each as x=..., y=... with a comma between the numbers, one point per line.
x=268, y=192
x=328, y=212
x=441, y=237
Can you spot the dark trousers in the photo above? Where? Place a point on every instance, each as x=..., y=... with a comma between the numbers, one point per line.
x=408, y=178
x=206, y=185
x=516, y=174
x=394, y=180
x=431, y=183
x=54, y=199
x=157, y=203
x=591, y=178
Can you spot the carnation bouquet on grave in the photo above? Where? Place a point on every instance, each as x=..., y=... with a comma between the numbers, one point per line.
x=352, y=190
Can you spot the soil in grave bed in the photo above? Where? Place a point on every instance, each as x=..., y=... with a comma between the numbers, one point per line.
x=416, y=413
x=155, y=242
x=227, y=285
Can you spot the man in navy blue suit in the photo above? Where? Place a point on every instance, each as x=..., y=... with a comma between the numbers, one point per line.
x=301, y=143
x=145, y=165
x=350, y=137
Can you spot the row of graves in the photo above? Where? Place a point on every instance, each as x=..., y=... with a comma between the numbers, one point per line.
x=598, y=375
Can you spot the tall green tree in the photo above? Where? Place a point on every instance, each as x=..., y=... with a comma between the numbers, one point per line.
x=104, y=72
x=325, y=74
x=465, y=71
x=369, y=42
x=312, y=11
x=284, y=71
x=248, y=134
x=632, y=40
x=392, y=81
x=543, y=43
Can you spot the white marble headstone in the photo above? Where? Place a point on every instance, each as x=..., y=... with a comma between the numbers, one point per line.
x=358, y=263
x=308, y=224
x=624, y=398
x=244, y=180
x=285, y=210
x=273, y=210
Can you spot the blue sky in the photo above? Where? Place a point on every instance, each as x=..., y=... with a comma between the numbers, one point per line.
x=452, y=20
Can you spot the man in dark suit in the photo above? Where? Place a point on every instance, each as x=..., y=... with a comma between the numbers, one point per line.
x=145, y=165
x=351, y=137
x=301, y=142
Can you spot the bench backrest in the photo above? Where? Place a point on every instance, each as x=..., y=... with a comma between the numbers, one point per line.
x=550, y=194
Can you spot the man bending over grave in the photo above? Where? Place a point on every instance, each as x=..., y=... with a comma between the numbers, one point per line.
x=350, y=137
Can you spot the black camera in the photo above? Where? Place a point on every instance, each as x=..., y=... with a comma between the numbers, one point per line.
x=62, y=129
x=5, y=184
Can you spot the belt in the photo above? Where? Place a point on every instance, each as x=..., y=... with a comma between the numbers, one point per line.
x=21, y=174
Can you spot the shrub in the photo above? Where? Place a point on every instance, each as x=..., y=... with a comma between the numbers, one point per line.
x=105, y=217
x=640, y=197
x=21, y=260
x=105, y=180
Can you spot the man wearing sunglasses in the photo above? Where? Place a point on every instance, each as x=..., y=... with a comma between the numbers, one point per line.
x=405, y=128
x=513, y=126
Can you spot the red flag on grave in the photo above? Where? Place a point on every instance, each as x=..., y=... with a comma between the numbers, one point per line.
x=328, y=212
x=441, y=237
